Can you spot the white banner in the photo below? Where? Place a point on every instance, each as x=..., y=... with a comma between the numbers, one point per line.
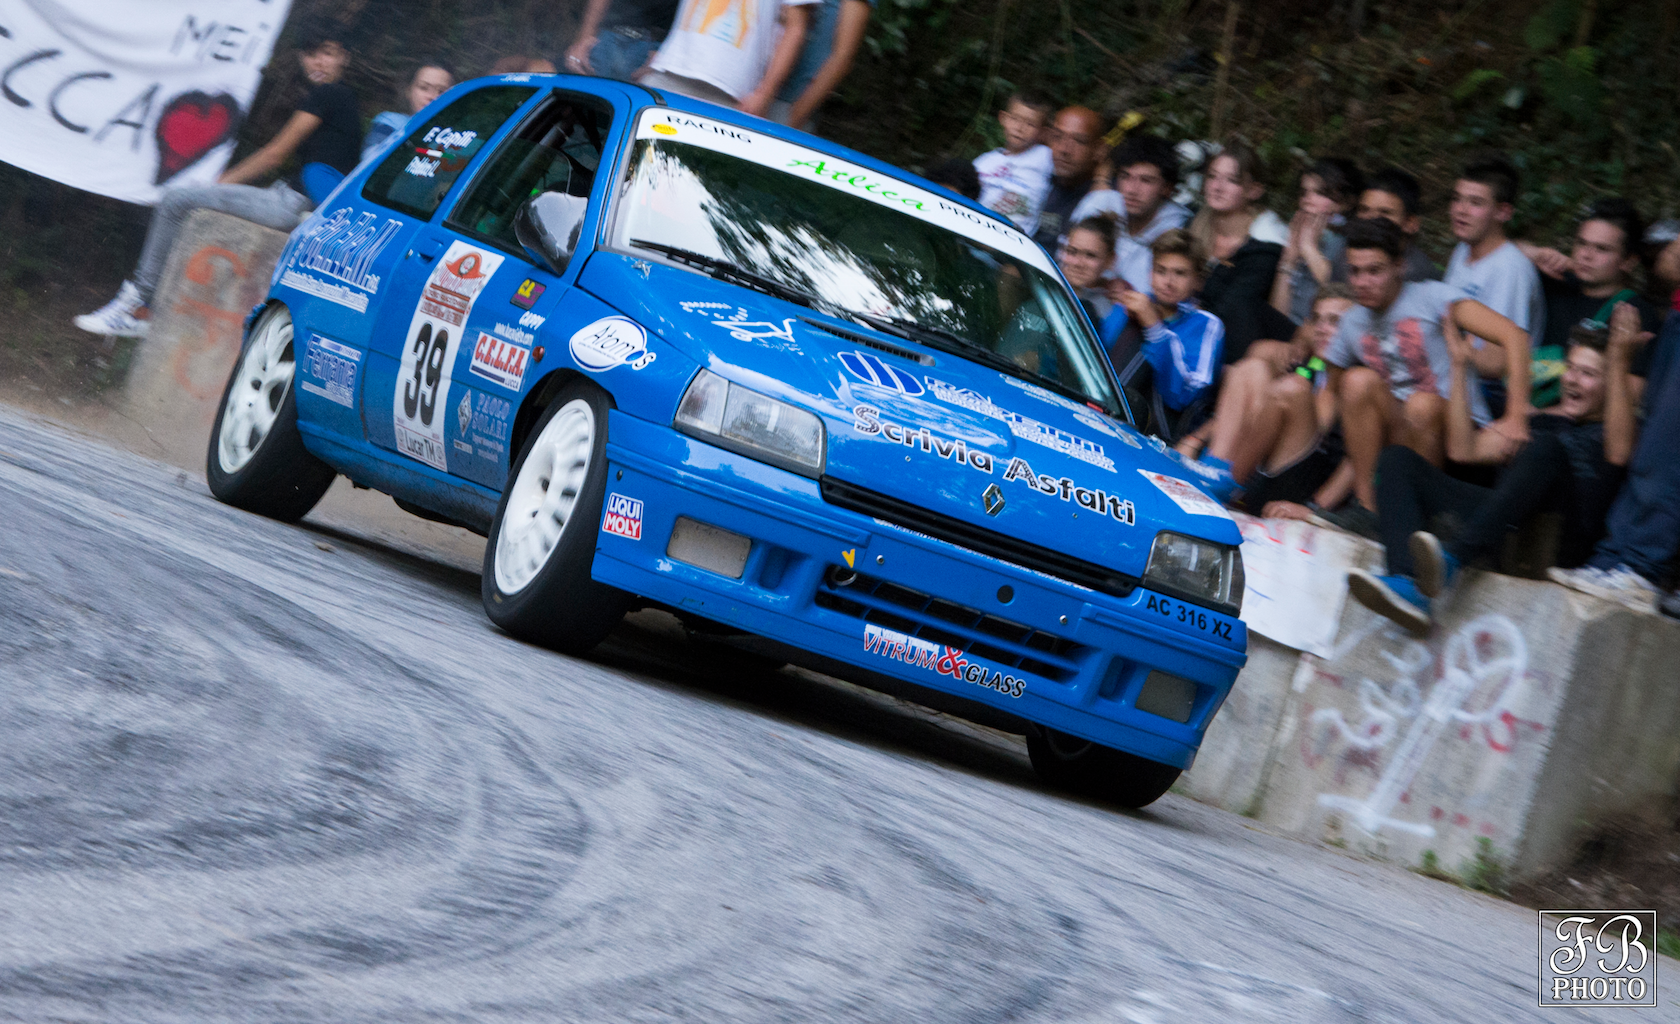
x=127, y=98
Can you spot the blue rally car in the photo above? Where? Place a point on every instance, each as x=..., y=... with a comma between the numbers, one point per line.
x=664, y=354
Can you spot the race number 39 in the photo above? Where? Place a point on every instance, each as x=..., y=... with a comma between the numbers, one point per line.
x=428, y=356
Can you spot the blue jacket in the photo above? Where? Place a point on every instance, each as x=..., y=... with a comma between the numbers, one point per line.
x=1185, y=352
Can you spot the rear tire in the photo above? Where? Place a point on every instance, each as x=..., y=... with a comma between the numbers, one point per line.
x=537, y=560
x=1093, y=770
x=257, y=460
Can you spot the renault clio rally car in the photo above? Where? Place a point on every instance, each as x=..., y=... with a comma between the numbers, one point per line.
x=665, y=354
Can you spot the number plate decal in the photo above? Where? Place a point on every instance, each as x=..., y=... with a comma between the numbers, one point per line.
x=420, y=401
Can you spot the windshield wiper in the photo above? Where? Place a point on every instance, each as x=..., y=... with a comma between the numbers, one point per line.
x=956, y=344
x=725, y=270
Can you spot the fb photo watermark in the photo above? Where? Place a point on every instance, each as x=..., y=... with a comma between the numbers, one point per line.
x=1598, y=958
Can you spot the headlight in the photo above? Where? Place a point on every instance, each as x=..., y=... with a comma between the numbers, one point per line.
x=1196, y=570
x=730, y=416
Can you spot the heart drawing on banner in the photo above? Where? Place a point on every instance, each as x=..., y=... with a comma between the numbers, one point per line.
x=191, y=125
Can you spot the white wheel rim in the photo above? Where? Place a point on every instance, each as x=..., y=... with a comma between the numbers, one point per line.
x=542, y=498
x=259, y=388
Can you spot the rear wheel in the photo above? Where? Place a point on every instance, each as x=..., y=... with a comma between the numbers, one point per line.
x=536, y=564
x=1094, y=770
x=257, y=461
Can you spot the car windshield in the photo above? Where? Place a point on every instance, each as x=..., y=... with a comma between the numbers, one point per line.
x=800, y=223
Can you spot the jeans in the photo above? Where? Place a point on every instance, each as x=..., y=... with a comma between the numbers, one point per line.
x=1411, y=492
x=277, y=206
x=619, y=56
x=1645, y=521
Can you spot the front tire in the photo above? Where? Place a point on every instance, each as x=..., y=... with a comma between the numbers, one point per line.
x=1093, y=770
x=257, y=460
x=542, y=542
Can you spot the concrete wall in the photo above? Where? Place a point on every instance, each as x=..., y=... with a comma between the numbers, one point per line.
x=1529, y=714
x=218, y=269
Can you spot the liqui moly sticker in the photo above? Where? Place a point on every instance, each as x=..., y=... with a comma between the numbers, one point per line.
x=609, y=342
x=623, y=517
x=500, y=361
x=428, y=359
x=1186, y=496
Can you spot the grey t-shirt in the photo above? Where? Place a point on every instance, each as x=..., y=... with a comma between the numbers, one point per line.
x=1404, y=343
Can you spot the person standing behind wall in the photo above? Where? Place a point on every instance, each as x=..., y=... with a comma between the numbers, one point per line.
x=735, y=53
x=429, y=81
x=618, y=36
x=1075, y=138
x=831, y=46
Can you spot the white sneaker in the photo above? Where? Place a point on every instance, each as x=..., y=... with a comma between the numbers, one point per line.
x=1620, y=584
x=116, y=318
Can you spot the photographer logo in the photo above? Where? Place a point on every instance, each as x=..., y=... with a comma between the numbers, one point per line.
x=1598, y=958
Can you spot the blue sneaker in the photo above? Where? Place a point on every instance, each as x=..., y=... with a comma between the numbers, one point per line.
x=1392, y=597
x=1437, y=571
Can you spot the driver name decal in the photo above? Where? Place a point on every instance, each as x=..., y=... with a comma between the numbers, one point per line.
x=428, y=360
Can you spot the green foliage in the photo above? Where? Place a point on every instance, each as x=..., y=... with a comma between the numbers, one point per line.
x=1473, y=83
x=1668, y=942
x=1430, y=867
x=1486, y=872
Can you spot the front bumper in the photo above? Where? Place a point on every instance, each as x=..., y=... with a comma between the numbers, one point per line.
x=922, y=610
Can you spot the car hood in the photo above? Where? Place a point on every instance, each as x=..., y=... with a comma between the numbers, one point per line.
x=926, y=427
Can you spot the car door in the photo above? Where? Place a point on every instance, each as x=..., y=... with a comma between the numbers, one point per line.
x=415, y=181
x=470, y=350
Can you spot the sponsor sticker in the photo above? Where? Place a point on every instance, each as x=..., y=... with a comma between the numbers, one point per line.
x=332, y=259
x=1096, y=499
x=623, y=517
x=527, y=294
x=428, y=360
x=938, y=659
x=1023, y=427
x=486, y=423
x=334, y=366
x=1185, y=495
x=502, y=362
x=870, y=369
x=609, y=342
x=742, y=327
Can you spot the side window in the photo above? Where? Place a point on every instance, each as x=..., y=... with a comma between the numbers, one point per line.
x=557, y=149
x=418, y=174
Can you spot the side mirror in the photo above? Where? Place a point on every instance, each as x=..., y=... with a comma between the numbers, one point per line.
x=548, y=227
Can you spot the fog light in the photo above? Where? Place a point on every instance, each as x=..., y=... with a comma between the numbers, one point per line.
x=1167, y=696
x=709, y=548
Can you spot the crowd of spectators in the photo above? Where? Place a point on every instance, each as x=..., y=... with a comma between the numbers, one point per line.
x=1324, y=367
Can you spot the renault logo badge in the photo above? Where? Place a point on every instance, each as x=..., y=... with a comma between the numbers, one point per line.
x=993, y=500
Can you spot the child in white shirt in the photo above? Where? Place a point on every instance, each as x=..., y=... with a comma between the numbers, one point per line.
x=1015, y=178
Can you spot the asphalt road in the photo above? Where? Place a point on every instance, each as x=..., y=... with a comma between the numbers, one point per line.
x=269, y=773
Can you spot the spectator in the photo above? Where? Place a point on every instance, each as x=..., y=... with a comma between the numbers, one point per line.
x=1086, y=253
x=1015, y=177
x=831, y=46
x=1391, y=368
x=519, y=64
x=1573, y=465
x=429, y=81
x=1329, y=191
x=1075, y=137
x=1487, y=266
x=1181, y=342
x=956, y=175
x=1244, y=242
x=1587, y=284
x=325, y=132
x=1272, y=430
x=731, y=55
x=1644, y=524
x=617, y=37
x=1393, y=194
x=1145, y=174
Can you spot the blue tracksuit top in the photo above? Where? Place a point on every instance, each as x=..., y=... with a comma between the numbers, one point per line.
x=1185, y=352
